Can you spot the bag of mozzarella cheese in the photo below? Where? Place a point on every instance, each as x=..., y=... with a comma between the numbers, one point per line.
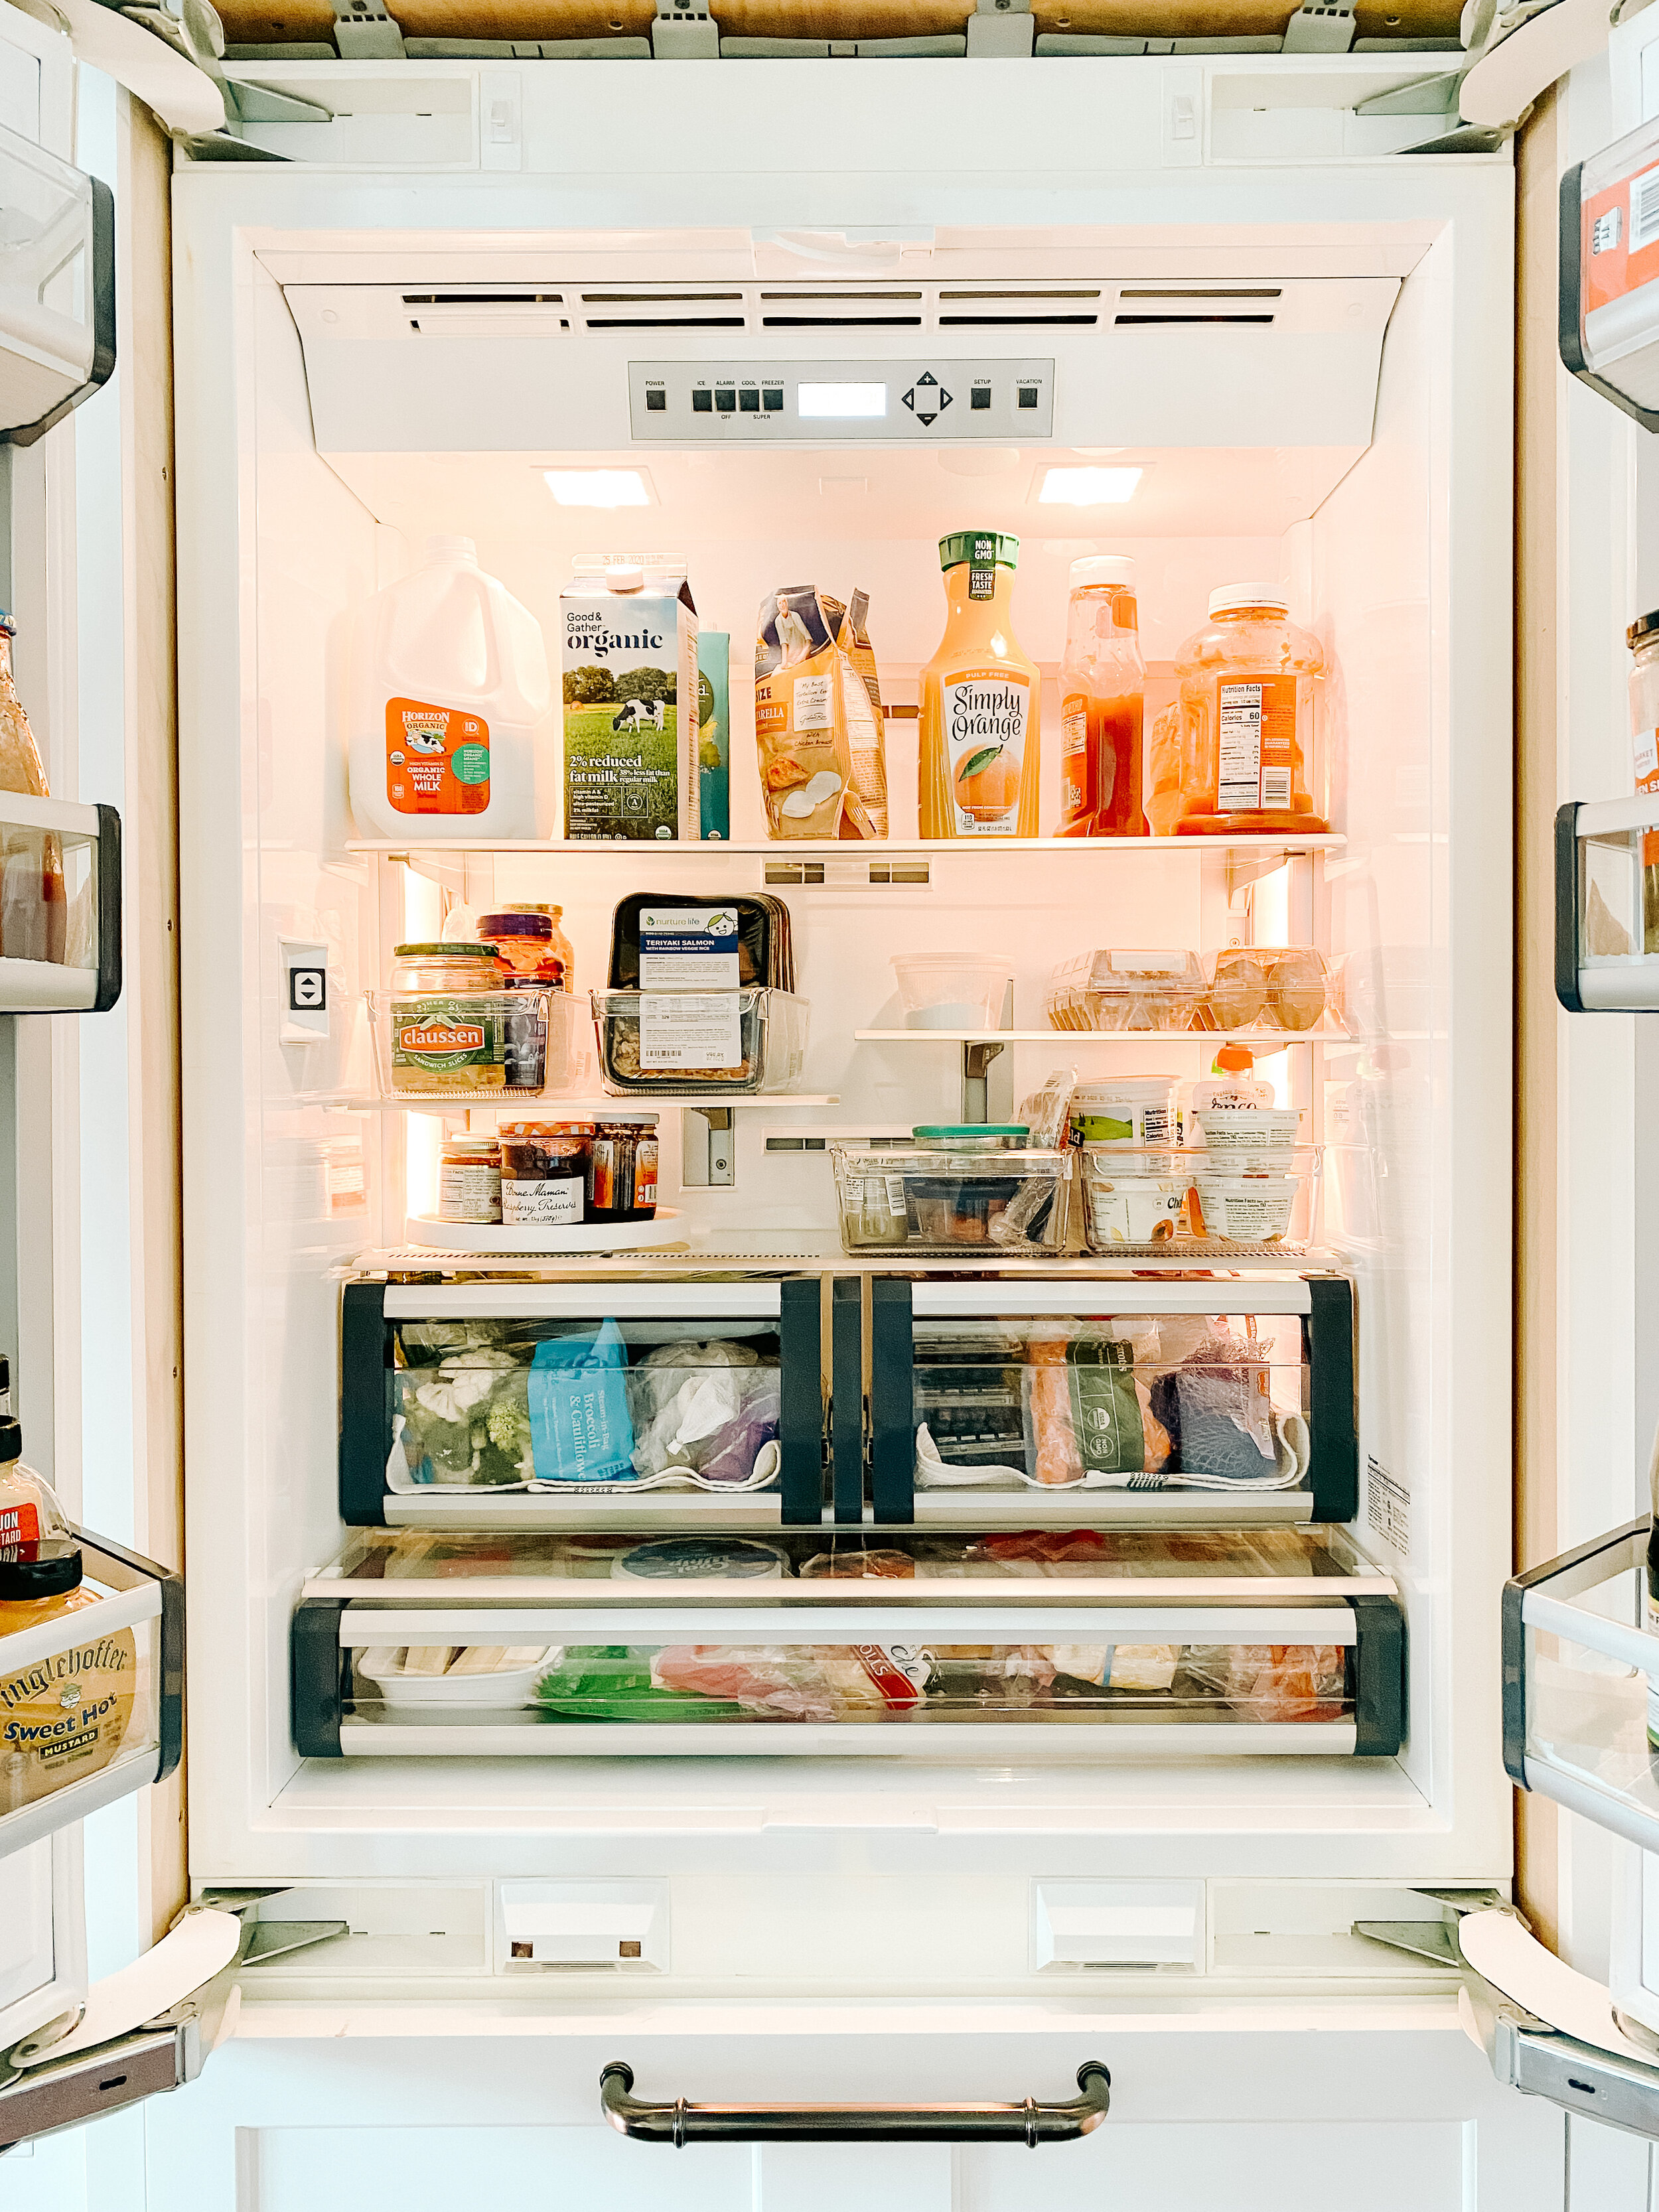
x=818, y=717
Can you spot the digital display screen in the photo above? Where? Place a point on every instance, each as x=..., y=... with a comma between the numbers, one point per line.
x=828, y=402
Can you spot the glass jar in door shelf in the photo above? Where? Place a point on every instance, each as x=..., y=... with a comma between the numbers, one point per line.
x=1103, y=683
x=621, y=1176
x=981, y=701
x=522, y=944
x=1252, y=703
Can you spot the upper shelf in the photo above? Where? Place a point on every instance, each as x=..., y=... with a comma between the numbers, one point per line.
x=820, y=848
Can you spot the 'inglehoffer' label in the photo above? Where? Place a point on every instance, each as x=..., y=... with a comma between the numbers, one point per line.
x=986, y=714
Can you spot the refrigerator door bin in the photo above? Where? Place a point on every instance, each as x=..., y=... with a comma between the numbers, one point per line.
x=56, y=288
x=562, y=1405
x=1042, y=1680
x=1207, y=1401
x=1607, y=906
x=60, y=906
x=1578, y=1671
x=91, y=1699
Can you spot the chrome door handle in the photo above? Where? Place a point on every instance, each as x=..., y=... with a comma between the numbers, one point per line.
x=681, y=2122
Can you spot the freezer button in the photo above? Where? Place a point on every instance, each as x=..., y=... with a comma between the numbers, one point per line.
x=773, y=397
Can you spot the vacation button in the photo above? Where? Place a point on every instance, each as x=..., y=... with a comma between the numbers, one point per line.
x=471, y=763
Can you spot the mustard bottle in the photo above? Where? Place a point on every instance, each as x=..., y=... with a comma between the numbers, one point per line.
x=981, y=700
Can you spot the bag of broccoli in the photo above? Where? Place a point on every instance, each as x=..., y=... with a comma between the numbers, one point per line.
x=580, y=1426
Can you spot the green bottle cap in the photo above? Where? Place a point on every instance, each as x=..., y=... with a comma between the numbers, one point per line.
x=984, y=548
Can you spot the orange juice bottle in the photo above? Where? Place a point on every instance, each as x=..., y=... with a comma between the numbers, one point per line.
x=981, y=701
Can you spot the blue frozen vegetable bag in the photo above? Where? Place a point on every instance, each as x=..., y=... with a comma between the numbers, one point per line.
x=580, y=1428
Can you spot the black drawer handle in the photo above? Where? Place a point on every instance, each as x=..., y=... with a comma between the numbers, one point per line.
x=681, y=2122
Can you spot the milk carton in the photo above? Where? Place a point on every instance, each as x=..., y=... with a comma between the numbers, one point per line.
x=628, y=649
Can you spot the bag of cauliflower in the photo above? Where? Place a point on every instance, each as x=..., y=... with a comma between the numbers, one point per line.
x=818, y=717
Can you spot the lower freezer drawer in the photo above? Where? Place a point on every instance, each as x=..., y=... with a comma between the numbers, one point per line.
x=1036, y=1681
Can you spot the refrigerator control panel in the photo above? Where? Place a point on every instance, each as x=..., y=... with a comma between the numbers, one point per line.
x=823, y=402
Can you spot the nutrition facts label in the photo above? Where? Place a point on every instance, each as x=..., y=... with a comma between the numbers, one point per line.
x=1389, y=1508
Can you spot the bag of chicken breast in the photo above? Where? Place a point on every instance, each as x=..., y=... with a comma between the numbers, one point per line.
x=818, y=717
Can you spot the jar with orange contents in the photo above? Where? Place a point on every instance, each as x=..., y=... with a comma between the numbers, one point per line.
x=1252, y=710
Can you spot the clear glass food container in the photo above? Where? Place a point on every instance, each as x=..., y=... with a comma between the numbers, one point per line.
x=746, y=1040
x=951, y=1199
x=1113, y=989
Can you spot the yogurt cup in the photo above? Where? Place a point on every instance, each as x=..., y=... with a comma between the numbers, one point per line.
x=1131, y=1209
x=1249, y=1140
x=1239, y=1209
x=1133, y=1111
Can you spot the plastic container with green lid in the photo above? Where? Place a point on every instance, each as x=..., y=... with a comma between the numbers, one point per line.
x=971, y=1136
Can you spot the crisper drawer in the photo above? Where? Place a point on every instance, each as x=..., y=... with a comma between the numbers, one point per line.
x=521, y=1405
x=1205, y=1398
x=1084, y=1645
x=91, y=1699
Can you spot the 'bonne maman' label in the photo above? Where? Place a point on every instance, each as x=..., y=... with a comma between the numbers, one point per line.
x=987, y=713
x=437, y=760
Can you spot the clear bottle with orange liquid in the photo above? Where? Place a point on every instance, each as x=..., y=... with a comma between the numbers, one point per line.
x=1252, y=702
x=981, y=701
x=1103, y=690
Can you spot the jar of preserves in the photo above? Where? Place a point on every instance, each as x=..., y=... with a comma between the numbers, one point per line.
x=523, y=944
x=544, y=1168
x=470, y=1180
x=449, y=1018
x=1252, y=704
x=1642, y=638
x=622, y=1177
x=1102, y=685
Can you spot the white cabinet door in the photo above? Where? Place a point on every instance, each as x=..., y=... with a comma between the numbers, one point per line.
x=412, y=2109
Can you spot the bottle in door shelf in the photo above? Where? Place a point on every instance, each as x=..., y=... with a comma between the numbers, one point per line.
x=1102, y=682
x=1252, y=687
x=450, y=705
x=34, y=895
x=981, y=701
x=1642, y=638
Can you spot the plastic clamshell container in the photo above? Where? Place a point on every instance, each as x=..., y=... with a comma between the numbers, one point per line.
x=691, y=1032
x=122, y=1656
x=988, y=1203
x=952, y=990
x=1126, y=990
x=454, y=1054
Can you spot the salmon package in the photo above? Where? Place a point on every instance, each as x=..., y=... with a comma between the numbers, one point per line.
x=818, y=717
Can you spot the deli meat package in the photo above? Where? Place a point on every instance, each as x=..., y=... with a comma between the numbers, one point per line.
x=818, y=717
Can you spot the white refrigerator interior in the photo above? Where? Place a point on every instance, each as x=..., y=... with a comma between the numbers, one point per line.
x=1309, y=367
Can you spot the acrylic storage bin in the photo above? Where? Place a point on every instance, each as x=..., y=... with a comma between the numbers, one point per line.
x=475, y=1049
x=747, y=1039
x=981, y=1203
x=1198, y=1204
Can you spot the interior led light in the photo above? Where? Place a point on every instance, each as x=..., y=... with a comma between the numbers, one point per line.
x=1088, y=487
x=598, y=487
